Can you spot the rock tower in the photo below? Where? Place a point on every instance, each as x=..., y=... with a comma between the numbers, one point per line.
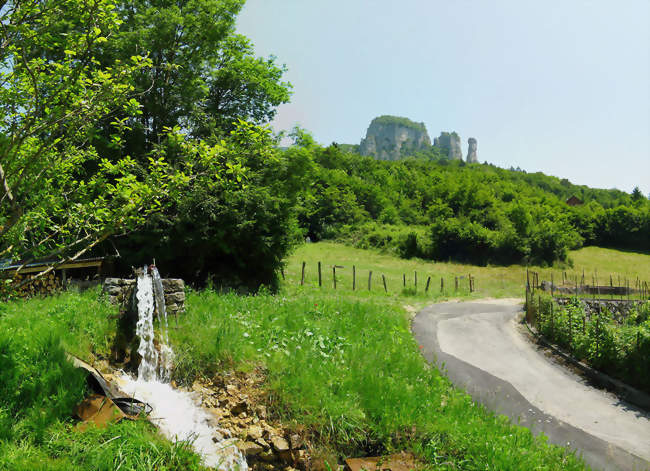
x=450, y=144
x=471, y=151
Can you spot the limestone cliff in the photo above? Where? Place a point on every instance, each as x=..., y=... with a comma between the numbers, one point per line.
x=390, y=137
x=449, y=143
x=472, y=145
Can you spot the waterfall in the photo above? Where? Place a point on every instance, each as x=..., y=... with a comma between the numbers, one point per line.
x=148, y=369
x=166, y=353
x=176, y=413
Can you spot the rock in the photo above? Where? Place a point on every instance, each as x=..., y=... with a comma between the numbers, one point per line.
x=449, y=143
x=173, y=285
x=296, y=441
x=250, y=448
x=279, y=443
x=240, y=408
x=261, y=411
x=391, y=137
x=254, y=432
x=263, y=443
x=267, y=456
x=471, y=151
x=177, y=298
x=302, y=459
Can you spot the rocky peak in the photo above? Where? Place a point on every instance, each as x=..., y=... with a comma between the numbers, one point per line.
x=390, y=137
x=472, y=157
x=449, y=143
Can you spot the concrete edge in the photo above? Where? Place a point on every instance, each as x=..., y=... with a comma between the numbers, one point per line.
x=624, y=391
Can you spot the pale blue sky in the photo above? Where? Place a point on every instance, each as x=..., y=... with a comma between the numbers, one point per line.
x=557, y=86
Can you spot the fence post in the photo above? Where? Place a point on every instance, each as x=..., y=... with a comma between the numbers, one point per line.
x=456, y=283
x=552, y=285
x=426, y=290
x=442, y=284
x=383, y=278
x=404, y=279
x=415, y=280
x=354, y=278
x=369, y=279
x=334, y=275
x=320, y=277
x=302, y=276
x=281, y=272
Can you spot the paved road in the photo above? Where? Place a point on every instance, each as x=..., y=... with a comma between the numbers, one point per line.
x=483, y=350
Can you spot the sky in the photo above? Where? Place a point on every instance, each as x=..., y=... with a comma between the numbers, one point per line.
x=561, y=87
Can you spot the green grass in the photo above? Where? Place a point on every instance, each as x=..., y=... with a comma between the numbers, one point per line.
x=490, y=281
x=39, y=389
x=348, y=370
x=619, y=347
x=341, y=363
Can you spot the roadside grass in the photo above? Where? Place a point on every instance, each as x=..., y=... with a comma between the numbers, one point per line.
x=39, y=389
x=348, y=371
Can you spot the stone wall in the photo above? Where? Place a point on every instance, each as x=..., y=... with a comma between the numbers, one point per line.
x=120, y=291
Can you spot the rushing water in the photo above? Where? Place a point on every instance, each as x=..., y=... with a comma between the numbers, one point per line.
x=176, y=413
x=166, y=353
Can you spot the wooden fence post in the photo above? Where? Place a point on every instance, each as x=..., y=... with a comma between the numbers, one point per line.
x=426, y=289
x=354, y=278
x=404, y=279
x=552, y=286
x=320, y=276
x=302, y=276
x=442, y=284
x=369, y=279
x=415, y=280
x=456, y=283
x=334, y=275
x=383, y=278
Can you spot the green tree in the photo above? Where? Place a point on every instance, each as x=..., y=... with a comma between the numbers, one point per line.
x=203, y=77
x=58, y=198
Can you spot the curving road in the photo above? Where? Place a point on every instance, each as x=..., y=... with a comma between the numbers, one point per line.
x=483, y=350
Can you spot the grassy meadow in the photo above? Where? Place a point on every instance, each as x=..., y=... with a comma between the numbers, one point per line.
x=342, y=366
x=490, y=281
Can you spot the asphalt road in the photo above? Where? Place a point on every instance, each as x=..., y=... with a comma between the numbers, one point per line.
x=482, y=349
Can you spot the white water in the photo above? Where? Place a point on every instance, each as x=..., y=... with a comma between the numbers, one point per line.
x=179, y=417
x=166, y=353
x=144, y=328
x=176, y=413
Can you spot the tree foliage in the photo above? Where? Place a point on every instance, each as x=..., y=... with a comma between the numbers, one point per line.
x=52, y=90
x=478, y=214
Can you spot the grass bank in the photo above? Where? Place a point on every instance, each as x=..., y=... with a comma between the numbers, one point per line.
x=39, y=389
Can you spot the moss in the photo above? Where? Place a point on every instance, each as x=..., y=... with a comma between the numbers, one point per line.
x=399, y=121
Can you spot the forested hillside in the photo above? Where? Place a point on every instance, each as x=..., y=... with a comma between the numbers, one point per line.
x=431, y=207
